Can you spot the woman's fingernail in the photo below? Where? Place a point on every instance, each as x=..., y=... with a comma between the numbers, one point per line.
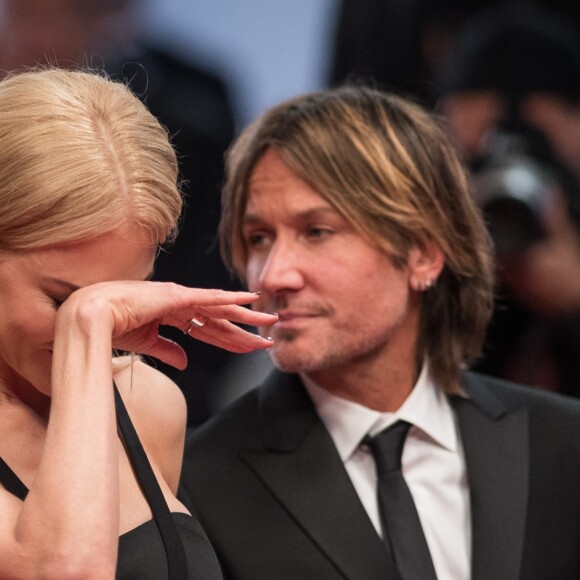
x=257, y=292
x=268, y=338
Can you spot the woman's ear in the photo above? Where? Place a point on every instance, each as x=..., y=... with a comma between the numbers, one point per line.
x=425, y=262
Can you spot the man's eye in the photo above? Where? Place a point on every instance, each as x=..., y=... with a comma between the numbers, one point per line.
x=256, y=240
x=318, y=232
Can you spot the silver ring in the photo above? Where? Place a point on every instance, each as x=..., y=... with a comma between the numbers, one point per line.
x=198, y=321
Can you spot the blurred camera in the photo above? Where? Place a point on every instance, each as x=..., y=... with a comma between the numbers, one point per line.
x=512, y=184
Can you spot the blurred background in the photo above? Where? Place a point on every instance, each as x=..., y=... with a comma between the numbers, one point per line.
x=267, y=50
x=504, y=76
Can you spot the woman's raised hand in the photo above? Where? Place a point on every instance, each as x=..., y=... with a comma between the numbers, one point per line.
x=133, y=311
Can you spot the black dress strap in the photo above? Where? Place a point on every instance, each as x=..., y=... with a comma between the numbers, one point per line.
x=176, y=560
x=11, y=481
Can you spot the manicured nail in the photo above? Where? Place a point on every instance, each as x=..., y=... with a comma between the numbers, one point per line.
x=257, y=292
x=268, y=338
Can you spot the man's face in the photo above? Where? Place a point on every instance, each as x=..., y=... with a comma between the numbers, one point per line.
x=341, y=300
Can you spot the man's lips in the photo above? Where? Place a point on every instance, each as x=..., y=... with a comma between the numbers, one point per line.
x=287, y=318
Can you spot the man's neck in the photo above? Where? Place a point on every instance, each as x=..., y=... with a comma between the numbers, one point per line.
x=383, y=388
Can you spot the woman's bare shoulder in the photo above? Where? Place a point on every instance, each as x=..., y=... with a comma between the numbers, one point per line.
x=141, y=384
x=157, y=408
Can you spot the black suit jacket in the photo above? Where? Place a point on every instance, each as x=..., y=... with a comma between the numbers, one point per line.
x=269, y=487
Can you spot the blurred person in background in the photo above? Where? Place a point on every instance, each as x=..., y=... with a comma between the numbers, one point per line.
x=532, y=205
x=514, y=62
x=395, y=44
x=191, y=102
x=400, y=45
x=511, y=96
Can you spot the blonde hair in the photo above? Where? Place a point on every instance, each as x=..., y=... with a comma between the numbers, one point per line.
x=81, y=156
x=387, y=166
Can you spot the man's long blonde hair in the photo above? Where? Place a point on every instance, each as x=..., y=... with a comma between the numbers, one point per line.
x=387, y=166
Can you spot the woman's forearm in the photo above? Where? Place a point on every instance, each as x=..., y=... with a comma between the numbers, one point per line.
x=71, y=514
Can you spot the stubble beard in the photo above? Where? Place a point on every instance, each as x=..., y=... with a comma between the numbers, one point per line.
x=290, y=357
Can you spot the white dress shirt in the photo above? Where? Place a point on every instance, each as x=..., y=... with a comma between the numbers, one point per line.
x=433, y=466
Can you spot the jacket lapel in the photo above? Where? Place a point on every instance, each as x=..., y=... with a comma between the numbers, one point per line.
x=496, y=447
x=301, y=467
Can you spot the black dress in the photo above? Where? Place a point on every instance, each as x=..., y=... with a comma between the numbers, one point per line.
x=171, y=546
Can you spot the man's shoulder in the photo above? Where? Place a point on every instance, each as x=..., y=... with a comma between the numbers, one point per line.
x=241, y=424
x=229, y=426
x=513, y=396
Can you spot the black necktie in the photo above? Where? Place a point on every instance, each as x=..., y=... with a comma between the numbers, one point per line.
x=401, y=526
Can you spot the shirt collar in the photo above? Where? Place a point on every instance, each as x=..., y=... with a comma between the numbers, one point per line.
x=426, y=408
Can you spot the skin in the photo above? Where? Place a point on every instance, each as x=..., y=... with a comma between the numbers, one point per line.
x=63, y=310
x=35, y=284
x=348, y=318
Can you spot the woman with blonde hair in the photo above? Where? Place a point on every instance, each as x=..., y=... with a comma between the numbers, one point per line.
x=91, y=445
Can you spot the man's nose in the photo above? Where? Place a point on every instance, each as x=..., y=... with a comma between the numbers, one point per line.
x=283, y=269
